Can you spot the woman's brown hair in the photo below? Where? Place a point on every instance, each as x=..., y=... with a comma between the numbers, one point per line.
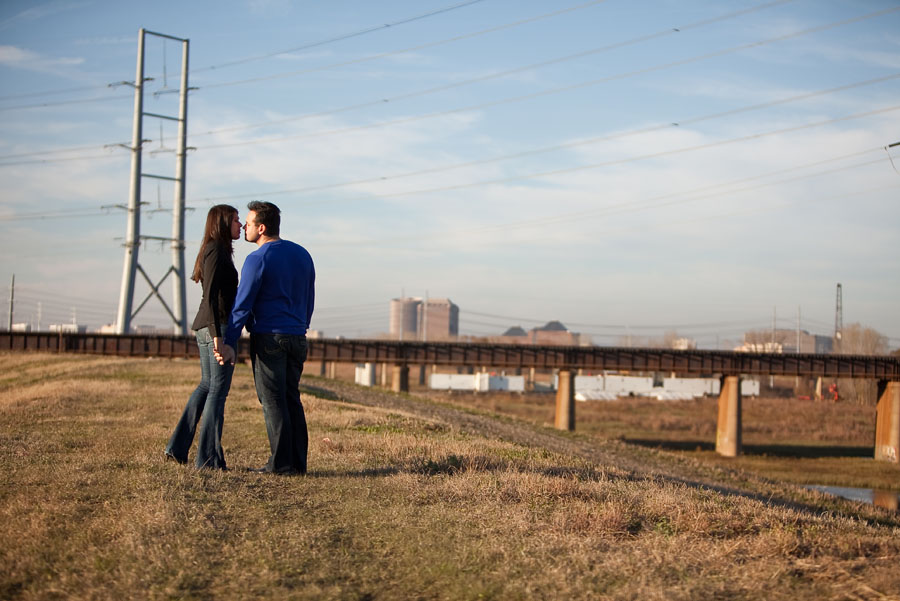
x=218, y=231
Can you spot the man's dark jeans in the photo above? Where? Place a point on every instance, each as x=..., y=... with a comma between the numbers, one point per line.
x=277, y=366
x=206, y=406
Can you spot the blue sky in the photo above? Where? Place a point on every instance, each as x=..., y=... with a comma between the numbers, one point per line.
x=626, y=168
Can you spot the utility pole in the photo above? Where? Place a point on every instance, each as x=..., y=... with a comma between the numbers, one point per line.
x=838, y=320
x=12, y=295
x=774, y=311
x=133, y=236
x=133, y=229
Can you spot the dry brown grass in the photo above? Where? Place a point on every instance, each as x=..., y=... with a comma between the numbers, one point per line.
x=395, y=507
x=800, y=441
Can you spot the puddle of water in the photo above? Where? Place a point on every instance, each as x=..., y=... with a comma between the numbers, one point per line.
x=881, y=498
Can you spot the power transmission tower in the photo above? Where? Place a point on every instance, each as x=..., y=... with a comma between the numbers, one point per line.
x=133, y=236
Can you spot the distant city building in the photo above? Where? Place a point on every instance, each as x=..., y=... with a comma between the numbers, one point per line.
x=684, y=344
x=438, y=319
x=404, y=318
x=21, y=327
x=68, y=328
x=785, y=341
x=555, y=333
x=424, y=319
x=551, y=333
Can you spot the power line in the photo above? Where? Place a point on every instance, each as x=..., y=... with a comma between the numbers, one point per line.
x=50, y=92
x=620, y=161
x=341, y=37
x=382, y=101
x=628, y=206
x=95, y=157
x=60, y=103
x=555, y=90
x=564, y=146
x=409, y=49
x=567, y=145
x=231, y=63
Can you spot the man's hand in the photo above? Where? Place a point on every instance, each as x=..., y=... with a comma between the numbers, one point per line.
x=224, y=354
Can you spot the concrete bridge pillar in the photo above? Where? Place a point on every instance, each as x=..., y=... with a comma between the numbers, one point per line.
x=400, y=380
x=565, y=401
x=728, y=431
x=887, y=422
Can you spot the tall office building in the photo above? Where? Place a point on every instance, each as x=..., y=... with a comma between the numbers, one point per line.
x=404, y=318
x=430, y=319
x=438, y=319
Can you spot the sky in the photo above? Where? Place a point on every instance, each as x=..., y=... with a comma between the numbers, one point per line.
x=629, y=169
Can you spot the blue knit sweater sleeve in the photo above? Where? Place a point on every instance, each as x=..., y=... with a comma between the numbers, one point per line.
x=248, y=289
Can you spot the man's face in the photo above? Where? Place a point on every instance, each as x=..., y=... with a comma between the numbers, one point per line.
x=251, y=230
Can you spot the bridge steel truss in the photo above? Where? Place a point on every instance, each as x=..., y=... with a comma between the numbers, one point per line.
x=729, y=366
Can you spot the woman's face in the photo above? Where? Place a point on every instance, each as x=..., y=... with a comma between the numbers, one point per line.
x=235, y=226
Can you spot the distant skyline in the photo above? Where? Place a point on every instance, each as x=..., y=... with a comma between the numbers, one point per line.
x=626, y=169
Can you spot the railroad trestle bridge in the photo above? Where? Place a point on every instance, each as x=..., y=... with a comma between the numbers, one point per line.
x=729, y=366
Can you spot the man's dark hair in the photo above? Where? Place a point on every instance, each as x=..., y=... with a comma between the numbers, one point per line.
x=268, y=215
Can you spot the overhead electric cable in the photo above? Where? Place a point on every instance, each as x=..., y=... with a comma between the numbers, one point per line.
x=60, y=160
x=50, y=92
x=62, y=213
x=239, y=61
x=60, y=103
x=364, y=59
x=444, y=113
x=414, y=94
x=625, y=160
x=409, y=49
x=341, y=37
x=511, y=319
x=654, y=202
x=653, y=155
x=564, y=146
x=622, y=208
x=543, y=93
x=55, y=151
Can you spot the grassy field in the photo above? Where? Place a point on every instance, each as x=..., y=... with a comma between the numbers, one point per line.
x=396, y=506
x=800, y=441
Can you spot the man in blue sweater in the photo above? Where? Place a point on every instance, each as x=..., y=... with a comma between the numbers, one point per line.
x=274, y=301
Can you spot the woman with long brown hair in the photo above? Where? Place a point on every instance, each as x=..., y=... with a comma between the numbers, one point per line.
x=214, y=270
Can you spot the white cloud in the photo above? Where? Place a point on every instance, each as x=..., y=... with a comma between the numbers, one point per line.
x=20, y=58
x=39, y=12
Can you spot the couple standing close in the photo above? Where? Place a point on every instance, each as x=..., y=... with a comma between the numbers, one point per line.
x=274, y=300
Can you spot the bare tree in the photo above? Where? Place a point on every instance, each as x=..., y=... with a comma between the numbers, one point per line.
x=766, y=340
x=857, y=339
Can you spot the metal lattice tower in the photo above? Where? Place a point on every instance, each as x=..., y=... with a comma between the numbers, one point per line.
x=133, y=233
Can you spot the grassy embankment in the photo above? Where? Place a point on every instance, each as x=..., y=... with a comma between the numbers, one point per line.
x=395, y=507
x=805, y=442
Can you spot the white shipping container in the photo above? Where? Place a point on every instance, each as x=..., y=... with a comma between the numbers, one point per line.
x=452, y=382
x=365, y=374
x=693, y=386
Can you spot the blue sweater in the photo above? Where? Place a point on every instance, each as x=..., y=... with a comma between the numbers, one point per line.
x=276, y=293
